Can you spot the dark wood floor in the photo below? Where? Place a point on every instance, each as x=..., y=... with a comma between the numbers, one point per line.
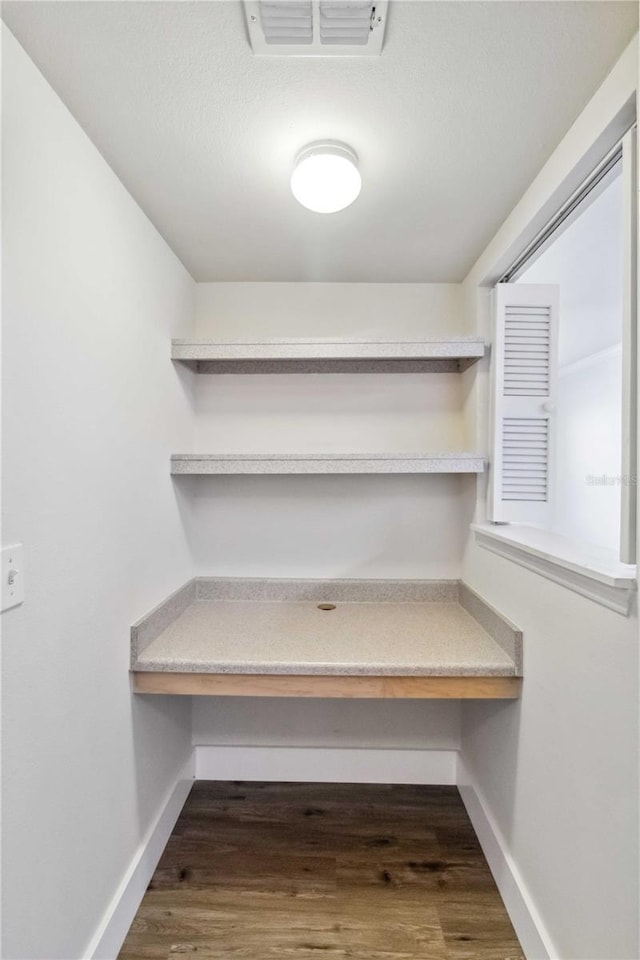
x=270, y=871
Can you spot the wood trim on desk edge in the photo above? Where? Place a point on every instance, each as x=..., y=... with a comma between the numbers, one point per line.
x=291, y=685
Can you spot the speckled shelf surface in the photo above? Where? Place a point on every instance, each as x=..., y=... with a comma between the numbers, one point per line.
x=455, y=634
x=313, y=348
x=310, y=463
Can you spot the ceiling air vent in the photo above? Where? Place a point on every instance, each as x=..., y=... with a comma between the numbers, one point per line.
x=316, y=28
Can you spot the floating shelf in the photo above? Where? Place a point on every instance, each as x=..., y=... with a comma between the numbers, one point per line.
x=380, y=639
x=333, y=463
x=311, y=355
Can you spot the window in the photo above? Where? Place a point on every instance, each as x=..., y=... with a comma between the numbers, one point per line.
x=564, y=421
x=585, y=263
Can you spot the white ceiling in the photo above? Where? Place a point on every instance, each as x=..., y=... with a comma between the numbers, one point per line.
x=451, y=124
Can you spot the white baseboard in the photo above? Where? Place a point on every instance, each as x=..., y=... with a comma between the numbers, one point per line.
x=326, y=764
x=534, y=938
x=112, y=930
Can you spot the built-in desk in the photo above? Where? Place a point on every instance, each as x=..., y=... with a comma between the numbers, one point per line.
x=373, y=639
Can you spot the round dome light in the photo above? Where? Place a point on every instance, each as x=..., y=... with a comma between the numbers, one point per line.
x=325, y=178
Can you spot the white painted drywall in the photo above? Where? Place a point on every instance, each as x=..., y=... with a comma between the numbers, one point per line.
x=330, y=527
x=558, y=770
x=237, y=310
x=273, y=722
x=330, y=413
x=92, y=411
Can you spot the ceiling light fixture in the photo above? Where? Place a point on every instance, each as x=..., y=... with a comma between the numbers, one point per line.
x=326, y=178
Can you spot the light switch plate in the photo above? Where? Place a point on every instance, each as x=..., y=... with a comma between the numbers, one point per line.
x=12, y=567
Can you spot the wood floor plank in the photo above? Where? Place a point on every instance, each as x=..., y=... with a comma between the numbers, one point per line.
x=478, y=929
x=187, y=864
x=295, y=871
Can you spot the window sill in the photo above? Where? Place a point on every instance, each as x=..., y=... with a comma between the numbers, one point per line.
x=590, y=571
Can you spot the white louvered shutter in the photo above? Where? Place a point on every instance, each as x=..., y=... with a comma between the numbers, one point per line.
x=524, y=366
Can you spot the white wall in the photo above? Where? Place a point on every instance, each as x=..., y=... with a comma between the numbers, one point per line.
x=273, y=722
x=329, y=413
x=558, y=770
x=92, y=410
x=330, y=527
x=236, y=311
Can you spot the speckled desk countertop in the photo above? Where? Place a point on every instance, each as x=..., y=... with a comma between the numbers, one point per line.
x=357, y=638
